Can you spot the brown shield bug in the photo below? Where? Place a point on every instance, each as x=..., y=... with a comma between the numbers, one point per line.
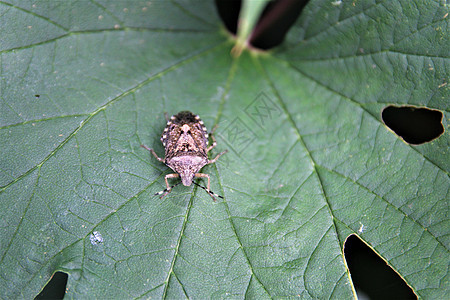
x=185, y=140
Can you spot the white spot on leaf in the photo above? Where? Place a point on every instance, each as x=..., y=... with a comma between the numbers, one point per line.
x=96, y=238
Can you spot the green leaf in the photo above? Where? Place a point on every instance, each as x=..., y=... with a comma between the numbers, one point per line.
x=310, y=160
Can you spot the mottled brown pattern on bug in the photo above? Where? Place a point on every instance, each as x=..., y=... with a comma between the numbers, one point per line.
x=185, y=140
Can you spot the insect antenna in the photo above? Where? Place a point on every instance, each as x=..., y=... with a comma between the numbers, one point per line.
x=167, y=190
x=211, y=193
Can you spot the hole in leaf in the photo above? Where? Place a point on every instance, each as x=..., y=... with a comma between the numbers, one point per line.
x=55, y=288
x=275, y=21
x=271, y=28
x=229, y=13
x=415, y=125
x=371, y=275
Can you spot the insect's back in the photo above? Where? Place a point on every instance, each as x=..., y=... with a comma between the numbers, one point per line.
x=185, y=135
x=185, y=140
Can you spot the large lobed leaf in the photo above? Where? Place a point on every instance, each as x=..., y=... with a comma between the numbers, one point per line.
x=310, y=159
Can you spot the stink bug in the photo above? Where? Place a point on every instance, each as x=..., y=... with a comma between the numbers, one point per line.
x=185, y=140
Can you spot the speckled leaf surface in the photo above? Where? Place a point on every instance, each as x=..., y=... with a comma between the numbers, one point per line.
x=310, y=161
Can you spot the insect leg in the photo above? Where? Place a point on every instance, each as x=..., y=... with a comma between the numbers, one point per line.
x=174, y=175
x=213, y=139
x=203, y=175
x=214, y=129
x=211, y=161
x=166, y=191
x=153, y=152
x=211, y=193
x=168, y=188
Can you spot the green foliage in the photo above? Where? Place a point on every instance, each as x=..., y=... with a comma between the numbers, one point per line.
x=310, y=159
